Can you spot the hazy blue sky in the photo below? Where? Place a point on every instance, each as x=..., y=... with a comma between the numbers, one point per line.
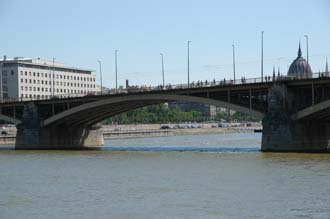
x=81, y=32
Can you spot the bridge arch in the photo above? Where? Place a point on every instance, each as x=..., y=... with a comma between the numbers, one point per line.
x=94, y=112
x=314, y=110
x=10, y=119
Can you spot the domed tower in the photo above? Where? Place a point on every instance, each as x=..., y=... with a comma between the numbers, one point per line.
x=300, y=67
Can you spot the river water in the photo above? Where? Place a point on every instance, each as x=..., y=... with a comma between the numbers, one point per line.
x=201, y=176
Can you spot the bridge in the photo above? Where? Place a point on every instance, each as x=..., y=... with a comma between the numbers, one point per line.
x=295, y=112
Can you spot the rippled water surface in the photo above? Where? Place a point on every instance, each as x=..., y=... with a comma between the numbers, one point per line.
x=201, y=176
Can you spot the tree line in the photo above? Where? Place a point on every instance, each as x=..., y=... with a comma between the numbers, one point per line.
x=162, y=114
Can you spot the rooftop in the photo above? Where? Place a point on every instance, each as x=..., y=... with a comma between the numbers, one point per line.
x=40, y=62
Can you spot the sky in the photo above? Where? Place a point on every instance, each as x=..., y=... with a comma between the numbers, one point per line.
x=79, y=33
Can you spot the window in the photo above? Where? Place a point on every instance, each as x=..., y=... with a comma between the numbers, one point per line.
x=26, y=73
x=38, y=74
x=42, y=89
x=26, y=88
x=12, y=72
x=30, y=81
x=22, y=80
x=26, y=80
x=38, y=88
x=34, y=74
x=34, y=88
x=22, y=88
x=45, y=75
x=29, y=73
x=21, y=73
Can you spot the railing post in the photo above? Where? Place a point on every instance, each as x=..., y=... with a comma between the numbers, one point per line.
x=313, y=93
x=53, y=109
x=250, y=98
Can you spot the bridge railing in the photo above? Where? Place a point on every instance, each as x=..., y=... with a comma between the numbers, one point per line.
x=193, y=84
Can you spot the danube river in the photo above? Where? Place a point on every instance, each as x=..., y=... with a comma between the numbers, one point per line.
x=201, y=176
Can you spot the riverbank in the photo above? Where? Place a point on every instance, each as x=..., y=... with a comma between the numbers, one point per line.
x=158, y=130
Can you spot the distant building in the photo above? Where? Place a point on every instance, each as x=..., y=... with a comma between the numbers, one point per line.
x=207, y=111
x=32, y=79
x=300, y=68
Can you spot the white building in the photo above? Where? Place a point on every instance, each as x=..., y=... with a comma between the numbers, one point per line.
x=30, y=79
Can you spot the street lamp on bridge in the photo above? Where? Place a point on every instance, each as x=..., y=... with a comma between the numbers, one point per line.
x=188, y=44
x=53, y=77
x=234, y=65
x=306, y=36
x=262, y=56
x=116, y=70
x=162, y=57
x=100, y=64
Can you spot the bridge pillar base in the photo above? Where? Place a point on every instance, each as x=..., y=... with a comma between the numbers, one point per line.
x=58, y=138
x=294, y=136
x=282, y=134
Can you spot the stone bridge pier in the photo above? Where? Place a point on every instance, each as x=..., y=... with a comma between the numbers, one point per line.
x=282, y=133
x=31, y=135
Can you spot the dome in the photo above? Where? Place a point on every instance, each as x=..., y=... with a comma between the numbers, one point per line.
x=300, y=67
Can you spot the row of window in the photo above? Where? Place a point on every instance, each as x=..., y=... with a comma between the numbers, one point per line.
x=58, y=83
x=58, y=76
x=42, y=96
x=50, y=90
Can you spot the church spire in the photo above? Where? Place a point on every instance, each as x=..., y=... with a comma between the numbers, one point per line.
x=299, y=51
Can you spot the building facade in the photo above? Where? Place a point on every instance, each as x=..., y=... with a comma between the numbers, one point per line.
x=33, y=79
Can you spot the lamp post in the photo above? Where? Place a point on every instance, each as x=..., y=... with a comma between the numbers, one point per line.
x=234, y=67
x=1, y=87
x=306, y=36
x=116, y=70
x=188, y=44
x=53, y=77
x=162, y=56
x=262, y=56
x=100, y=64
